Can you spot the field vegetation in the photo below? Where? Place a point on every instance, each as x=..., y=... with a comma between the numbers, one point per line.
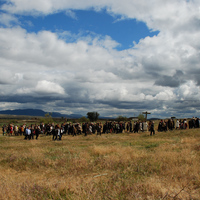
x=110, y=166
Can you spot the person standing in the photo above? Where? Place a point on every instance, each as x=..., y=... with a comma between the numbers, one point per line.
x=54, y=133
x=37, y=132
x=28, y=133
x=32, y=132
x=4, y=129
x=99, y=129
x=177, y=124
x=59, y=134
x=152, y=131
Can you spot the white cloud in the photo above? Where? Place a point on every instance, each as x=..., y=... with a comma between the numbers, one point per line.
x=189, y=90
x=71, y=14
x=165, y=95
x=90, y=69
x=8, y=77
x=8, y=19
x=157, y=14
x=24, y=90
x=47, y=87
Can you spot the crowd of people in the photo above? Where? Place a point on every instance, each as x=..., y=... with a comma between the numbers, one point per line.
x=73, y=129
x=57, y=131
x=171, y=124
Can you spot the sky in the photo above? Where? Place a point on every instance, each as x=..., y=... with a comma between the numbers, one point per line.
x=113, y=57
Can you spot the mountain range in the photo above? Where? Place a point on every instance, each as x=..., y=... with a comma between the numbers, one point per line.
x=38, y=113
x=41, y=113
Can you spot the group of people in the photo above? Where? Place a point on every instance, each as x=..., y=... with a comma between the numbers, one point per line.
x=171, y=124
x=73, y=129
x=28, y=131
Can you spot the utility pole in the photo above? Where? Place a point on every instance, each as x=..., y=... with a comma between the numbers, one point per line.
x=146, y=113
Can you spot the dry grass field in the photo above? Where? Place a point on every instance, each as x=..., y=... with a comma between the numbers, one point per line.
x=114, y=166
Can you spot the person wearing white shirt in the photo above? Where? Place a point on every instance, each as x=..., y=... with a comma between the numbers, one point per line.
x=28, y=133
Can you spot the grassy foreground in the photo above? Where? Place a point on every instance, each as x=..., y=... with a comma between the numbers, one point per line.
x=113, y=166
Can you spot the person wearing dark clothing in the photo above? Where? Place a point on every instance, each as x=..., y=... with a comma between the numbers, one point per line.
x=4, y=129
x=128, y=126
x=54, y=134
x=48, y=129
x=99, y=129
x=152, y=128
x=70, y=129
x=197, y=123
x=37, y=132
x=136, y=127
x=32, y=133
x=131, y=127
x=85, y=128
x=160, y=125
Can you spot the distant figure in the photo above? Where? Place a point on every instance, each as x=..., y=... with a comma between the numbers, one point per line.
x=99, y=129
x=177, y=124
x=4, y=129
x=145, y=126
x=37, y=132
x=28, y=133
x=54, y=134
x=152, y=131
x=59, y=134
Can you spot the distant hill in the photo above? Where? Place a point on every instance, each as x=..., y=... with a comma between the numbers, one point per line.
x=38, y=113
x=31, y=112
x=154, y=119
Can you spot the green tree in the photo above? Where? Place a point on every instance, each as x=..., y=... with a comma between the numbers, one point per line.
x=83, y=119
x=141, y=117
x=93, y=116
x=47, y=118
x=121, y=118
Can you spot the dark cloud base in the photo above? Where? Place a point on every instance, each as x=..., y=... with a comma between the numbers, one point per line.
x=187, y=108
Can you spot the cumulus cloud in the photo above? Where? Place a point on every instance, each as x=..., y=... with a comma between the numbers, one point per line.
x=47, y=87
x=8, y=77
x=159, y=73
x=172, y=81
x=8, y=19
x=157, y=14
x=189, y=91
